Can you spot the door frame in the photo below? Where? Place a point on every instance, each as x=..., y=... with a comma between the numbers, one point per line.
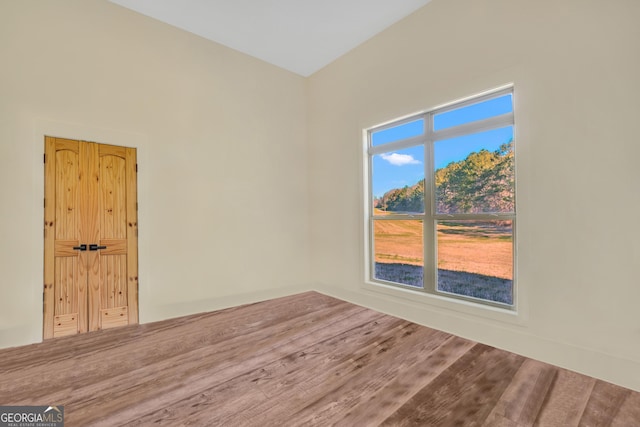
x=45, y=127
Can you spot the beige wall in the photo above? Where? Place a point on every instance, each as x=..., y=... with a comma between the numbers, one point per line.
x=576, y=66
x=221, y=136
x=229, y=148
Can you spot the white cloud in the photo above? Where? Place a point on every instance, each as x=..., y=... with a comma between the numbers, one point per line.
x=400, y=159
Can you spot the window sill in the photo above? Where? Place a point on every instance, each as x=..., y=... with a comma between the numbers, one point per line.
x=443, y=304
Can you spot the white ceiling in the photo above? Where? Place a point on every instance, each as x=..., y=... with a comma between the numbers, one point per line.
x=298, y=35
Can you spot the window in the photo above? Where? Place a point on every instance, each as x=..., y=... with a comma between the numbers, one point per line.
x=441, y=201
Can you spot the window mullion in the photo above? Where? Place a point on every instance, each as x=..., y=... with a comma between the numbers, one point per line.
x=399, y=217
x=474, y=216
x=429, y=236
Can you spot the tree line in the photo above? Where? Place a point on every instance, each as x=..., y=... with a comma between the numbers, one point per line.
x=482, y=182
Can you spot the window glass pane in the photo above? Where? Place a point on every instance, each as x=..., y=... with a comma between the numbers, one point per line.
x=475, y=173
x=398, y=251
x=398, y=181
x=397, y=133
x=473, y=112
x=475, y=259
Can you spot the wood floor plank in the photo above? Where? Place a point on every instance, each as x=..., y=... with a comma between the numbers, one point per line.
x=302, y=360
x=290, y=378
x=400, y=386
x=566, y=400
x=629, y=413
x=202, y=368
x=522, y=400
x=465, y=393
x=236, y=319
x=604, y=404
x=364, y=368
x=212, y=327
x=231, y=329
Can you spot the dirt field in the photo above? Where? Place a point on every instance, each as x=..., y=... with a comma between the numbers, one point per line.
x=398, y=242
x=484, y=249
x=472, y=247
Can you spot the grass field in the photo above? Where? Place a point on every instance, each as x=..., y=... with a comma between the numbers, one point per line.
x=474, y=258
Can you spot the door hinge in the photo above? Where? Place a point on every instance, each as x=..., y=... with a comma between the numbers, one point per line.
x=136, y=167
x=44, y=202
x=44, y=158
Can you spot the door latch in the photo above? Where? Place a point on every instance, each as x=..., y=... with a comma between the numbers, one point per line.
x=94, y=247
x=82, y=247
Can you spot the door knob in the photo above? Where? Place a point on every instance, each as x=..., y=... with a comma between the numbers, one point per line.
x=82, y=247
x=94, y=247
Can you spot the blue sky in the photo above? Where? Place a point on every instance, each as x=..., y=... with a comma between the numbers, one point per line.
x=396, y=169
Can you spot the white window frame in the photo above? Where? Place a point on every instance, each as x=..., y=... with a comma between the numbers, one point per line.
x=430, y=218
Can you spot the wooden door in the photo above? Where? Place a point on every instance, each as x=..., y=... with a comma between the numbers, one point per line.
x=90, y=237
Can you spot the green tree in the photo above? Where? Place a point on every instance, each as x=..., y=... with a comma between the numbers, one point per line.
x=482, y=182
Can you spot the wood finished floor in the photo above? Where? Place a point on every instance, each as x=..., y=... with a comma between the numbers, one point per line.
x=303, y=360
